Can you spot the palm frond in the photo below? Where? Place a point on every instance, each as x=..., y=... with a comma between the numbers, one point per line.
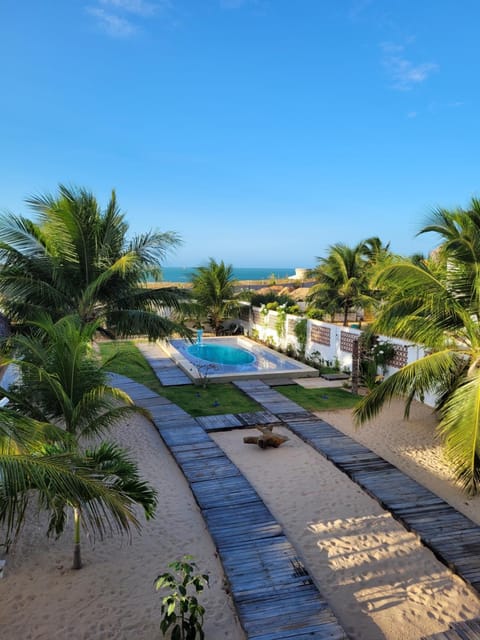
x=460, y=429
x=415, y=379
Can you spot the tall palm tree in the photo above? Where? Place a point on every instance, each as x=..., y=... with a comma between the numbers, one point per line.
x=61, y=383
x=436, y=303
x=77, y=259
x=341, y=280
x=213, y=288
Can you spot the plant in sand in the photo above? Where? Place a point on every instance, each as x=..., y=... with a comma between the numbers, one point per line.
x=181, y=611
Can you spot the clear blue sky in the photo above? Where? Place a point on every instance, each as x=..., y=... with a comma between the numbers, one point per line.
x=261, y=131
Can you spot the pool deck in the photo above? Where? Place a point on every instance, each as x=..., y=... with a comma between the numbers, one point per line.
x=290, y=368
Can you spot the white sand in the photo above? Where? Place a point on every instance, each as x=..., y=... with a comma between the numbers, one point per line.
x=381, y=582
x=378, y=578
x=113, y=595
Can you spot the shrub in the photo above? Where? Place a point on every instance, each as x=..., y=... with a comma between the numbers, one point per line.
x=180, y=608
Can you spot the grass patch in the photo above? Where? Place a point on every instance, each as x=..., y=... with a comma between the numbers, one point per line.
x=323, y=399
x=216, y=399
x=131, y=363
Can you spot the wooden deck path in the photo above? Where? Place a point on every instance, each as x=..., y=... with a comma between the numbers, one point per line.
x=273, y=594
x=452, y=537
x=235, y=420
x=164, y=367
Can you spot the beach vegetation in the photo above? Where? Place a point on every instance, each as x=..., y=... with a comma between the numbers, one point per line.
x=213, y=290
x=76, y=259
x=374, y=357
x=258, y=299
x=436, y=303
x=300, y=331
x=60, y=400
x=344, y=278
x=182, y=614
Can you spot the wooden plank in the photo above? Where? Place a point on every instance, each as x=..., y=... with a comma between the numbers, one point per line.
x=219, y=422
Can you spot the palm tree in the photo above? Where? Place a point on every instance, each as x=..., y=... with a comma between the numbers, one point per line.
x=77, y=259
x=436, y=303
x=341, y=280
x=61, y=383
x=213, y=288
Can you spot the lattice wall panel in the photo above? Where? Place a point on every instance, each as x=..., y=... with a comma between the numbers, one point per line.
x=256, y=316
x=272, y=321
x=320, y=335
x=244, y=313
x=400, y=358
x=346, y=341
x=291, y=324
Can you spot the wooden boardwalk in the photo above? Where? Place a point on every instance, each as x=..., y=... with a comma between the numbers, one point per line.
x=273, y=594
x=164, y=367
x=452, y=537
x=234, y=420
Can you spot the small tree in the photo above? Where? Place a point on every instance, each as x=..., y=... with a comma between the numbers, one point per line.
x=180, y=608
x=213, y=288
x=62, y=383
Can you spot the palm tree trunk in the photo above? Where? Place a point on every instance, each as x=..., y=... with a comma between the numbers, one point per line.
x=345, y=315
x=77, y=560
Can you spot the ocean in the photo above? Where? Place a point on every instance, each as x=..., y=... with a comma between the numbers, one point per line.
x=183, y=274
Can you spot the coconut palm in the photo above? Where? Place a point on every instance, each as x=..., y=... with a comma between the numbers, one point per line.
x=61, y=383
x=213, y=288
x=341, y=280
x=77, y=259
x=436, y=303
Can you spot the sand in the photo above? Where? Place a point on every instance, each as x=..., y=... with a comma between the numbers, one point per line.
x=411, y=445
x=113, y=595
x=381, y=582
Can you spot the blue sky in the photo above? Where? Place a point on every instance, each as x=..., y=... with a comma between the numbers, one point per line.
x=261, y=131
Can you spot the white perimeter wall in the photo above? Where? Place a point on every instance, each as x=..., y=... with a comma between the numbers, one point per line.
x=327, y=341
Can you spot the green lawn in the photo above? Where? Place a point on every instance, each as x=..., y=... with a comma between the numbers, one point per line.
x=214, y=400
x=131, y=363
x=324, y=399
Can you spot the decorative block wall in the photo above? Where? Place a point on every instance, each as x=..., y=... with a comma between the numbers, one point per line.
x=320, y=335
x=244, y=313
x=400, y=358
x=256, y=316
x=291, y=324
x=347, y=340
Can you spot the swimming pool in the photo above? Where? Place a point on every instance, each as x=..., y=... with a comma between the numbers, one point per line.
x=220, y=354
x=233, y=357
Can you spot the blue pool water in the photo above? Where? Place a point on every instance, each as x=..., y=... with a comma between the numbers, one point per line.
x=233, y=355
x=221, y=354
x=232, y=358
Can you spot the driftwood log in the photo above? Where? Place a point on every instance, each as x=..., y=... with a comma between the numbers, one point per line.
x=267, y=439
